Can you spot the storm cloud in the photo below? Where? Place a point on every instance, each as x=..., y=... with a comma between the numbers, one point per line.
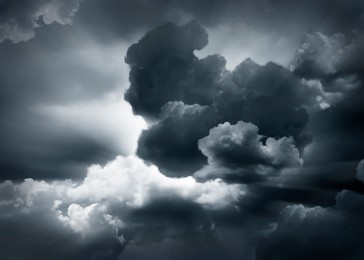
x=172, y=86
x=204, y=129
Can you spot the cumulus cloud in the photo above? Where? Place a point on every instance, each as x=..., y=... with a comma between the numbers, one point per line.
x=171, y=143
x=96, y=210
x=313, y=232
x=165, y=75
x=238, y=154
x=248, y=124
x=333, y=60
x=19, y=20
x=304, y=231
x=129, y=181
x=159, y=61
x=319, y=55
x=241, y=145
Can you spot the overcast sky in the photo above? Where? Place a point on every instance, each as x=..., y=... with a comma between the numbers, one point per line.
x=140, y=129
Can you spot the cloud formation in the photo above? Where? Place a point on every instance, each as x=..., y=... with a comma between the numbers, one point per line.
x=170, y=76
x=241, y=145
x=242, y=157
x=19, y=20
x=94, y=214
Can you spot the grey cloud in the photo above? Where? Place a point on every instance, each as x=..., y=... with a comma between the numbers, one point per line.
x=184, y=95
x=319, y=55
x=316, y=233
x=269, y=96
x=159, y=61
x=333, y=60
x=172, y=142
x=360, y=171
x=240, y=145
x=19, y=20
x=29, y=218
x=337, y=130
x=237, y=153
x=350, y=201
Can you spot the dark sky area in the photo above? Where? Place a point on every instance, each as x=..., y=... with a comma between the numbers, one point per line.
x=196, y=129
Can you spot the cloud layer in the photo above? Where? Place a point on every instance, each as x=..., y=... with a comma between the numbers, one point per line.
x=255, y=155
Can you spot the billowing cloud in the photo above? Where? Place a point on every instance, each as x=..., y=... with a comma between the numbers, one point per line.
x=96, y=212
x=172, y=142
x=19, y=20
x=158, y=62
x=170, y=76
x=241, y=145
x=317, y=232
x=237, y=153
x=239, y=157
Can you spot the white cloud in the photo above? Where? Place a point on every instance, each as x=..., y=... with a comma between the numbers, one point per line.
x=125, y=184
x=129, y=181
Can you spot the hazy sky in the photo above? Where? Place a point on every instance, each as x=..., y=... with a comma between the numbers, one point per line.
x=140, y=129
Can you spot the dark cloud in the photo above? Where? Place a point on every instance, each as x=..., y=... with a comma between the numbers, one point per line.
x=269, y=96
x=159, y=61
x=337, y=130
x=317, y=232
x=272, y=153
x=360, y=171
x=172, y=142
x=329, y=58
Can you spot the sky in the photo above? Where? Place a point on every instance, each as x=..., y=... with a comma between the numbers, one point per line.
x=208, y=129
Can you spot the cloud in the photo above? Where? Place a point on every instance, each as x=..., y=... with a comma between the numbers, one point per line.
x=129, y=181
x=313, y=232
x=241, y=145
x=171, y=143
x=97, y=211
x=337, y=130
x=249, y=41
x=237, y=153
x=169, y=76
x=302, y=231
x=158, y=61
x=360, y=171
x=333, y=60
x=34, y=206
x=319, y=55
x=250, y=124
x=19, y=20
